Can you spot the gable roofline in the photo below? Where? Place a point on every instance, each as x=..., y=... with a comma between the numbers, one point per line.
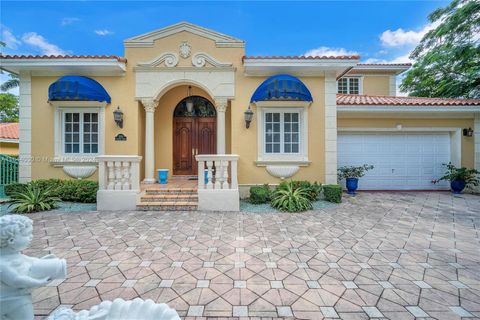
x=148, y=39
x=397, y=68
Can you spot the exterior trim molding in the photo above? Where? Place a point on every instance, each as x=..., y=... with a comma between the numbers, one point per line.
x=25, y=128
x=9, y=140
x=396, y=109
x=330, y=128
x=169, y=58
x=200, y=59
x=147, y=39
x=476, y=138
x=40, y=67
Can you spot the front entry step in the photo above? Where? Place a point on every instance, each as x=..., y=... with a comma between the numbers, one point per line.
x=169, y=199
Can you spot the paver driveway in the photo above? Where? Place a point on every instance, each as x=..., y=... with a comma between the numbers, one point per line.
x=392, y=255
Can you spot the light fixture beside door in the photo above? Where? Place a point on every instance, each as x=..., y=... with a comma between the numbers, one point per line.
x=189, y=101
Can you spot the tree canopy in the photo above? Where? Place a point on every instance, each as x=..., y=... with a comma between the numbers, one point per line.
x=8, y=107
x=447, y=60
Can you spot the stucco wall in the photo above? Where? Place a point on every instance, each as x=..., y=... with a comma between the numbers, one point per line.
x=376, y=85
x=467, y=142
x=8, y=148
x=121, y=92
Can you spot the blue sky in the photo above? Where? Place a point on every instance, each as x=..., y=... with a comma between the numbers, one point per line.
x=380, y=31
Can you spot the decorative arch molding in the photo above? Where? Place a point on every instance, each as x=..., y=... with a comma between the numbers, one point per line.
x=200, y=60
x=215, y=82
x=169, y=58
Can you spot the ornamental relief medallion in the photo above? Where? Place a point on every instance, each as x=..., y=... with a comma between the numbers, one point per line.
x=185, y=49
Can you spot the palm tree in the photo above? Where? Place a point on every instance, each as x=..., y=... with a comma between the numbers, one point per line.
x=13, y=82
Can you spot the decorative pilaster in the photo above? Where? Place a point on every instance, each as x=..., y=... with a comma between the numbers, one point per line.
x=330, y=128
x=476, y=137
x=221, y=105
x=149, y=105
x=392, y=86
x=25, y=129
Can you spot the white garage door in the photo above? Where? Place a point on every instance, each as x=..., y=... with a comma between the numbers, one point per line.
x=403, y=161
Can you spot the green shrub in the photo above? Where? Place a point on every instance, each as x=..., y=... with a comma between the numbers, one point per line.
x=79, y=191
x=14, y=188
x=33, y=199
x=55, y=185
x=313, y=189
x=291, y=198
x=260, y=194
x=332, y=193
x=66, y=190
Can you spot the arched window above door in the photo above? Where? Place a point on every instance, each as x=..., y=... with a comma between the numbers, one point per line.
x=201, y=108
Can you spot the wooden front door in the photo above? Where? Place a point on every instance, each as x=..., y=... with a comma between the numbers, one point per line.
x=192, y=136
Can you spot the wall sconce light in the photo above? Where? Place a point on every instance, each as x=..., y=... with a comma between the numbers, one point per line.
x=189, y=101
x=468, y=132
x=118, y=117
x=248, y=117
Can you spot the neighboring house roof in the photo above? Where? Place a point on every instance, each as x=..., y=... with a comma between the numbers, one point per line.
x=119, y=59
x=9, y=131
x=352, y=99
x=301, y=57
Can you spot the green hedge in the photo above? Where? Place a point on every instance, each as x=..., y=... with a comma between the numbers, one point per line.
x=260, y=194
x=332, y=193
x=67, y=190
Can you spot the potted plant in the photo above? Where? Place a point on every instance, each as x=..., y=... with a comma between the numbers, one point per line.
x=460, y=177
x=351, y=175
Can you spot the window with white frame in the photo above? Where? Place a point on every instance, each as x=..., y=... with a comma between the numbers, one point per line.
x=282, y=132
x=80, y=132
x=348, y=85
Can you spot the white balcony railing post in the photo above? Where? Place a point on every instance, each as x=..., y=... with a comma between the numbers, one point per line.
x=221, y=191
x=118, y=182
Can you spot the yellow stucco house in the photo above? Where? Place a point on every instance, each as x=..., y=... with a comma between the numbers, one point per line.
x=188, y=99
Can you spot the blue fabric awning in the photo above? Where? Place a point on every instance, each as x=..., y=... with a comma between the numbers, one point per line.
x=282, y=87
x=77, y=88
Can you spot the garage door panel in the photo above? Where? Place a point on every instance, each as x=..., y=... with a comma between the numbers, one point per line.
x=402, y=160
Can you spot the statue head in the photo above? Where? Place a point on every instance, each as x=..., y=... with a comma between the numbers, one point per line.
x=15, y=232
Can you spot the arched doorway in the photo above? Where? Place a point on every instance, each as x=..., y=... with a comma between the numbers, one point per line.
x=194, y=132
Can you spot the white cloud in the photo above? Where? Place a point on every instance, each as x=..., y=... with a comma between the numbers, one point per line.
x=9, y=38
x=326, y=51
x=398, y=59
x=401, y=37
x=41, y=44
x=104, y=32
x=69, y=20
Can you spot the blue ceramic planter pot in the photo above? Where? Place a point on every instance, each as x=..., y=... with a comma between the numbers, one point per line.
x=352, y=185
x=457, y=186
x=162, y=176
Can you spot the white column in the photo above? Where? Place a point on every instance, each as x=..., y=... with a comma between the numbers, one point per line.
x=393, y=86
x=330, y=128
x=476, y=135
x=150, y=106
x=25, y=129
x=221, y=105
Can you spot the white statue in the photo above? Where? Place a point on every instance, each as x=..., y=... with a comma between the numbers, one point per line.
x=20, y=274
x=120, y=309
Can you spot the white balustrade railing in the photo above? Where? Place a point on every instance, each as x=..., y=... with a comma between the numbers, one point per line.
x=221, y=171
x=119, y=172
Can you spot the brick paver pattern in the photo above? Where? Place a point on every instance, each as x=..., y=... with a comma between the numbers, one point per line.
x=390, y=255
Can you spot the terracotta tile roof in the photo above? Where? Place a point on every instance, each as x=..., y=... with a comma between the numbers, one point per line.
x=356, y=57
x=353, y=99
x=119, y=59
x=9, y=130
